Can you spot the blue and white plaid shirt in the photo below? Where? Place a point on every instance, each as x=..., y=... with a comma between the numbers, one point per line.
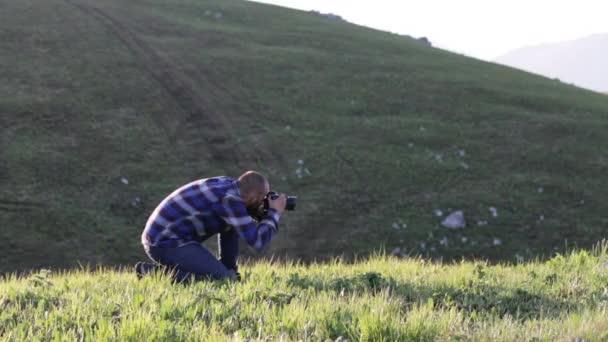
x=203, y=208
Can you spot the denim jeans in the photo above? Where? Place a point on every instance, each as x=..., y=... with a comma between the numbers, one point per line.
x=190, y=262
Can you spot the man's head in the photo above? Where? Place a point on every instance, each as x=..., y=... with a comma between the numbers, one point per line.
x=253, y=187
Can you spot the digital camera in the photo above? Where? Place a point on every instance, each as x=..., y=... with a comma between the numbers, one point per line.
x=289, y=205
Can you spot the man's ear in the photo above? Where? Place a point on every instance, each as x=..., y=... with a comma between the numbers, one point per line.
x=248, y=198
x=251, y=198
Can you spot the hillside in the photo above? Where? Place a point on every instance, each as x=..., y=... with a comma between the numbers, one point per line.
x=581, y=61
x=108, y=106
x=380, y=299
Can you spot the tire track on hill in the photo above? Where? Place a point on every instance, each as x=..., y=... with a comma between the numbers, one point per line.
x=19, y=206
x=217, y=129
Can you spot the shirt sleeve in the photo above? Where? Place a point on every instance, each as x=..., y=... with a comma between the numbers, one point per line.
x=234, y=213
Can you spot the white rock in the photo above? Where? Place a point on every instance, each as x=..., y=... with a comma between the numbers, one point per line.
x=494, y=212
x=438, y=212
x=482, y=223
x=461, y=153
x=540, y=190
x=464, y=165
x=497, y=242
x=124, y=181
x=464, y=239
x=399, y=225
x=300, y=161
x=455, y=220
x=136, y=201
x=218, y=15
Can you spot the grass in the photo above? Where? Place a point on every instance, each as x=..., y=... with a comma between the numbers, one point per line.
x=374, y=299
x=387, y=131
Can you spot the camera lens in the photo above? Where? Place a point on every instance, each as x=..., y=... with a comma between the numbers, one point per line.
x=291, y=203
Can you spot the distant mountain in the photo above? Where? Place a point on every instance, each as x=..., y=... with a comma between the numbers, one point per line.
x=583, y=62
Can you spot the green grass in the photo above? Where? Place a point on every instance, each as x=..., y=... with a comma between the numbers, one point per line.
x=160, y=93
x=375, y=299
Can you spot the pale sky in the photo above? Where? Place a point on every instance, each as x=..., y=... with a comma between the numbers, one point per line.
x=484, y=29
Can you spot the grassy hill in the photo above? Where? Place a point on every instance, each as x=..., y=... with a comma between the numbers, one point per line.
x=380, y=299
x=107, y=106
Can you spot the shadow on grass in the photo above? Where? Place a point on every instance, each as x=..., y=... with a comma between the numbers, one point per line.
x=473, y=297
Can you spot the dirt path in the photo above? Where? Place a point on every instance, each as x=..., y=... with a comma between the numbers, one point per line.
x=215, y=128
x=19, y=206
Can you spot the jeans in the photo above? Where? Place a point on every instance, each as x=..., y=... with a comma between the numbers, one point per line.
x=191, y=262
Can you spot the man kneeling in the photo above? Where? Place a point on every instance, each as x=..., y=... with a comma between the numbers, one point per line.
x=193, y=213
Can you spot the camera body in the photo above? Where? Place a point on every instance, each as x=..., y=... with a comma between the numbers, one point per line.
x=260, y=212
x=289, y=205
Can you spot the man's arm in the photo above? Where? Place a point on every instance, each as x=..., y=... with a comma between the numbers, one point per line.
x=234, y=213
x=228, y=243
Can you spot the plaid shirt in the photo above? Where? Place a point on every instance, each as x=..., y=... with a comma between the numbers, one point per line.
x=198, y=210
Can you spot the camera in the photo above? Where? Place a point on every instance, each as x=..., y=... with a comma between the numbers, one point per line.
x=260, y=212
x=289, y=205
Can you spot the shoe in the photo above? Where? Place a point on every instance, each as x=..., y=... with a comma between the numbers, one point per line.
x=143, y=268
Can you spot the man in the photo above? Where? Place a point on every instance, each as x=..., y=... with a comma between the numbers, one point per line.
x=193, y=213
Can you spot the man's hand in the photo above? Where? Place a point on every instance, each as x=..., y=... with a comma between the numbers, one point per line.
x=278, y=204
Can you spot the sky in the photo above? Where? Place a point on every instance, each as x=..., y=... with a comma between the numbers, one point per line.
x=484, y=29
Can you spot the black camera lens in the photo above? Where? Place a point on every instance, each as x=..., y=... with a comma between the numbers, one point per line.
x=291, y=203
